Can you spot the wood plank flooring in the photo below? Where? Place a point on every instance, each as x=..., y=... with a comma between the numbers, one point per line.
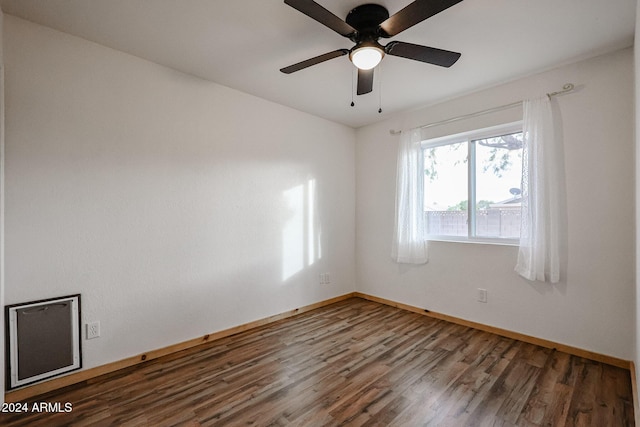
x=355, y=363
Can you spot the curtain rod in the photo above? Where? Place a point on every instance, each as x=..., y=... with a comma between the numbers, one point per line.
x=566, y=88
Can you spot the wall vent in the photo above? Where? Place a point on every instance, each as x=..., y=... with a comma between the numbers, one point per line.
x=42, y=339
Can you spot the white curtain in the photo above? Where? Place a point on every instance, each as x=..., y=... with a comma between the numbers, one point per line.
x=538, y=256
x=409, y=245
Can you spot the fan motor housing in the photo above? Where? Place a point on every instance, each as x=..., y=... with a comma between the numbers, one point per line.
x=367, y=17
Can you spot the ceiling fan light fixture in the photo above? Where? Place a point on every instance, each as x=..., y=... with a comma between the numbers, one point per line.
x=365, y=25
x=366, y=57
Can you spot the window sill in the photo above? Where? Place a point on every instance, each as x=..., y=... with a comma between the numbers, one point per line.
x=477, y=240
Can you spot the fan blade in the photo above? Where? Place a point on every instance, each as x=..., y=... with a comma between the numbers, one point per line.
x=365, y=81
x=414, y=13
x=430, y=55
x=314, y=11
x=313, y=61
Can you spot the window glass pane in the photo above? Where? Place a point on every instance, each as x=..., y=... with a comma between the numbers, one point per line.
x=446, y=186
x=498, y=186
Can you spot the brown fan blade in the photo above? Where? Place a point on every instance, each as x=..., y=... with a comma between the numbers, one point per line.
x=314, y=11
x=414, y=13
x=365, y=81
x=313, y=61
x=430, y=55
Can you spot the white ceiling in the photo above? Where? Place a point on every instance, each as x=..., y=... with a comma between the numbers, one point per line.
x=243, y=44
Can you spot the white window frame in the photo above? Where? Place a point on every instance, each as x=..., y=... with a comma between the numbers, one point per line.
x=473, y=135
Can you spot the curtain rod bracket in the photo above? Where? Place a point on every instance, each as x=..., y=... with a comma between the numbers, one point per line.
x=566, y=88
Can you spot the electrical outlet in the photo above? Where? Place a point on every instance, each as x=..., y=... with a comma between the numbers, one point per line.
x=93, y=330
x=325, y=278
x=482, y=295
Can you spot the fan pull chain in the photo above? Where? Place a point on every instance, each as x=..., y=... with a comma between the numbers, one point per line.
x=380, y=89
x=353, y=72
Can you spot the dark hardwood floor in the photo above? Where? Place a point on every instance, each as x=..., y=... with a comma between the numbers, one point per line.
x=355, y=362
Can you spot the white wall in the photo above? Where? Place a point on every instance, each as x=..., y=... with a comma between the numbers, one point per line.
x=593, y=307
x=175, y=206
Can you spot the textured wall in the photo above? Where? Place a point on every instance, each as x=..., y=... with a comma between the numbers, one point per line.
x=175, y=206
x=593, y=307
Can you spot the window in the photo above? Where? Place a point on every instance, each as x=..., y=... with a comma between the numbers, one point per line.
x=473, y=185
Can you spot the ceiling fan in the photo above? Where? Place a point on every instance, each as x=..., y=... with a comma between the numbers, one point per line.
x=366, y=24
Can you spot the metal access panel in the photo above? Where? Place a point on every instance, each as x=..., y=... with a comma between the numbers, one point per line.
x=43, y=339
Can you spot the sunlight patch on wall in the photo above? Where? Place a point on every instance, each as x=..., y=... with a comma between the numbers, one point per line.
x=301, y=246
